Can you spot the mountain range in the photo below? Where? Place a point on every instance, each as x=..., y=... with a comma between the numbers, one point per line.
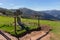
x=47, y=14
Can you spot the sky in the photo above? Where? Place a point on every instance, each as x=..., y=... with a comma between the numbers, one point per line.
x=37, y=5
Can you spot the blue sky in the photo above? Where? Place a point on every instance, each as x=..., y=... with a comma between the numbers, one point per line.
x=31, y=4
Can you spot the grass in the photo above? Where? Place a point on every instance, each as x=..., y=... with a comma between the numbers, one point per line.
x=6, y=24
x=55, y=25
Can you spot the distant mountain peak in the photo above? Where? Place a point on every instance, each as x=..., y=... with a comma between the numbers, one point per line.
x=48, y=14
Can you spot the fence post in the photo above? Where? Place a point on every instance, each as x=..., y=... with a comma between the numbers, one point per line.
x=15, y=24
x=38, y=21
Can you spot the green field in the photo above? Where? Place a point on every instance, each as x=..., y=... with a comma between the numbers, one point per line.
x=6, y=24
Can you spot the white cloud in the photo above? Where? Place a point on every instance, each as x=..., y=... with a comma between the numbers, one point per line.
x=1, y=3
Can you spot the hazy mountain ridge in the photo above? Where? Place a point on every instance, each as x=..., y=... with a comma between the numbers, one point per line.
x=49, y=14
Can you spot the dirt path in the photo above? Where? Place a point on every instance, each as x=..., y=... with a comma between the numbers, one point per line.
x=6, y=36
x=32, y=36
x=2, y=38
x=35, y=35
x=47, y=37
x=39, y=35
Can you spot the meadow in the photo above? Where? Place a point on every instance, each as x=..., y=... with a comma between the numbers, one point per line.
x=7, y=24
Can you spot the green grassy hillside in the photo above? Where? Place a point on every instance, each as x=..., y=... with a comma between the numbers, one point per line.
x=6, y=24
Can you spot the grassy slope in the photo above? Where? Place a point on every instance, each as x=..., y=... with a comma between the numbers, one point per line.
x=55, y=28
x=6, y=21
x=6, y=24
x=54, y=24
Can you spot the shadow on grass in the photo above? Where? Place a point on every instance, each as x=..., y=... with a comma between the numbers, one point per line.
x=27, y=32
